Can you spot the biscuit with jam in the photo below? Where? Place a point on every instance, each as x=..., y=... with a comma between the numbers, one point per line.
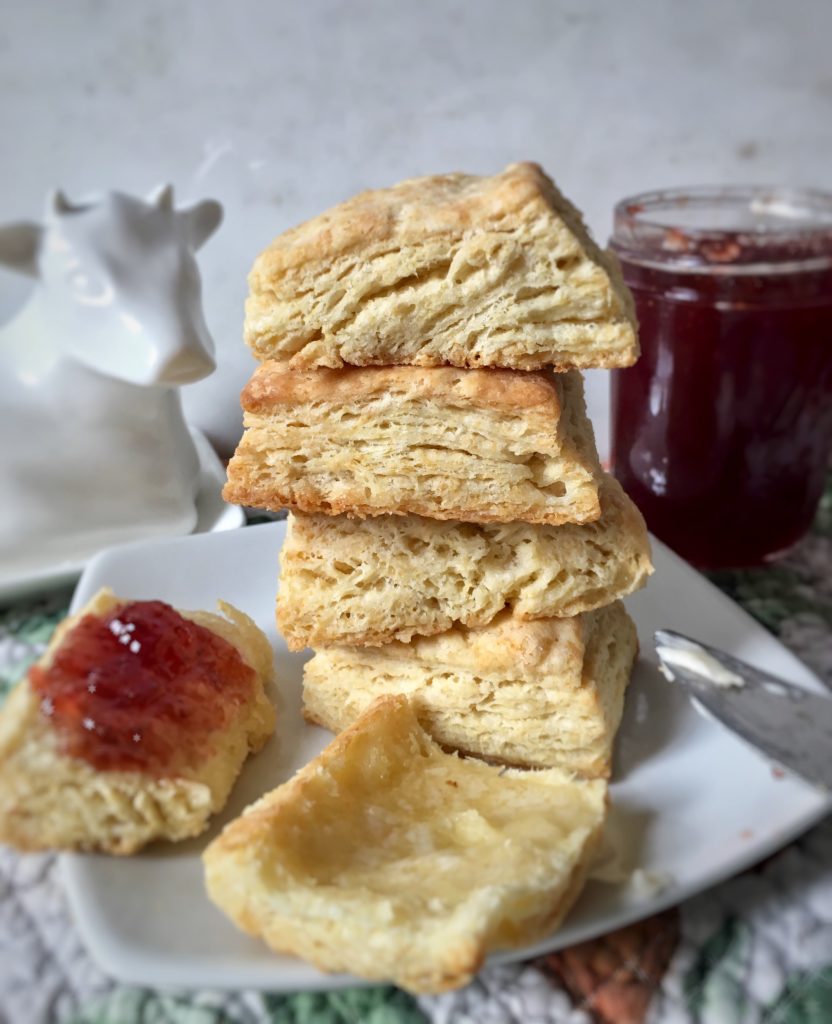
x=132, y=727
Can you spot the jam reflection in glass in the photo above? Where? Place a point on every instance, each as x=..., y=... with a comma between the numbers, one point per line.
x=721, y=432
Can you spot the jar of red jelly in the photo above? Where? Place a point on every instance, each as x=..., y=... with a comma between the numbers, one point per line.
x=721, y=432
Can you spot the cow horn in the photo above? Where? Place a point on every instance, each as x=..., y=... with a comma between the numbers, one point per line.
x=162, y=197
x=58, y=202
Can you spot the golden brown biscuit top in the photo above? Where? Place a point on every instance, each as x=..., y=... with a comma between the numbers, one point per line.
x=419, y=208
x=506, y=645
x=272, y=384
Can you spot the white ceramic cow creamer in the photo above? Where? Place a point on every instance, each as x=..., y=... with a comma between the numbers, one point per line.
x=94, y=448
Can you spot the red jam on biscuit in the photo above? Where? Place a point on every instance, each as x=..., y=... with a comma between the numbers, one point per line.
x=141, y=689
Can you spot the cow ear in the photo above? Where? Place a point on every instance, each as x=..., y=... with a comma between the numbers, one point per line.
x=19, y=247
x=200, y=221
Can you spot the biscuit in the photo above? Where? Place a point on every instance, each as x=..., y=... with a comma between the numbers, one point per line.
x=51, y=800
x=390, y=859
x=475, y=445
x=369, y=582
x=541, y=694
x=451, y=269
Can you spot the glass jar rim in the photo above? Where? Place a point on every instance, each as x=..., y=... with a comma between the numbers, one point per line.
x=726, y=229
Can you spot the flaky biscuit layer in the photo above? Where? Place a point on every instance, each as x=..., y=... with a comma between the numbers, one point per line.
x=449, y=269
x=369, y=582
x=538, y=694
x=475, y=445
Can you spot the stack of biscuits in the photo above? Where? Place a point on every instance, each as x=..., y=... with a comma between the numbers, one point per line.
x=419, y=408
x=455, y=556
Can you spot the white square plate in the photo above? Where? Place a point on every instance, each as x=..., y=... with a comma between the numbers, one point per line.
x=690, y=801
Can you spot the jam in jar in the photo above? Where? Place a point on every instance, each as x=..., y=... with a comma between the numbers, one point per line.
x=722, y=430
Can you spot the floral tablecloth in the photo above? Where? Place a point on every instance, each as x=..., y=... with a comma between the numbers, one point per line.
x=756, y=949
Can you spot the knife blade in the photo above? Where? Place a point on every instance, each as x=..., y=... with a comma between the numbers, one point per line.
x=788, y=724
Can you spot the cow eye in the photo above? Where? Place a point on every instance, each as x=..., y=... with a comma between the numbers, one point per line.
x=88, y=288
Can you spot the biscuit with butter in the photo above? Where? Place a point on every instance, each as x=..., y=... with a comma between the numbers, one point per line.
x=393, y=860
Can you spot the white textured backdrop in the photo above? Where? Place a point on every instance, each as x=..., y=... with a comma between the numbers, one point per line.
x=280, y=109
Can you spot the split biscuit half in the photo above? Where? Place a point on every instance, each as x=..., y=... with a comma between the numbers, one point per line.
x=51, y=800
x=391, y=859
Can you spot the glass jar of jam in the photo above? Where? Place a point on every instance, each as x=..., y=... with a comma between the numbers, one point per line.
x=721, y=432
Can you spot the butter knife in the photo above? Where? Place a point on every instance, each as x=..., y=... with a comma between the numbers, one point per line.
x=788, y=724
